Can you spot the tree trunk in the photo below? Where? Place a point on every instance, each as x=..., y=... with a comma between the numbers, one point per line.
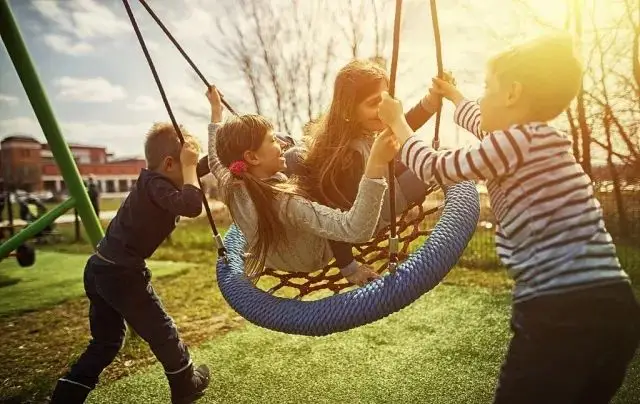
x=617, y=191
x=582, y=119
x=575, y=134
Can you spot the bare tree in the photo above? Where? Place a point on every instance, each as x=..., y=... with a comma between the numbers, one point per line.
x=585, y=132
x=285, y=53
x=603, y=119
x=282, y=54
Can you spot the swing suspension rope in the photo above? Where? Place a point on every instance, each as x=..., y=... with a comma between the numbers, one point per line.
x=216, y=235
x=183, y=53
x=393, y=236
x=438, y=43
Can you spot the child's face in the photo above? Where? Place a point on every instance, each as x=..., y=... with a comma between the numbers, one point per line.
x=268, y=159
x=367, y=110
x=492, y=104
x=501, y=104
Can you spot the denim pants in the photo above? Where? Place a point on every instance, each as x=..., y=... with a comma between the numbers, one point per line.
x=573, y=347
x=118, y=294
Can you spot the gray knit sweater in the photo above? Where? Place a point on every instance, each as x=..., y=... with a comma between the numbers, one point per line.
x=308, y=224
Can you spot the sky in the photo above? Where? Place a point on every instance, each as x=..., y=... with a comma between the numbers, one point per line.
x=102, y=91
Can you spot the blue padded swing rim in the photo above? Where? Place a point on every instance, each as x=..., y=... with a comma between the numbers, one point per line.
x=419, y=273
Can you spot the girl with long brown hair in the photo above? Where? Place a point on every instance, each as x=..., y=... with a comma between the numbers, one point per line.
x=284, y=229
x=338, y=144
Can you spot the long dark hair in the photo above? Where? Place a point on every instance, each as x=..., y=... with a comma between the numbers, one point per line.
x=329, y=154
x=233, y=138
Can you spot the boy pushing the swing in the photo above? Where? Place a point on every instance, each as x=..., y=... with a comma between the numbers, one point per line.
x=117, y=281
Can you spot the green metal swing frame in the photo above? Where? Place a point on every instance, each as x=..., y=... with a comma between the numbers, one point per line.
x=26, y=70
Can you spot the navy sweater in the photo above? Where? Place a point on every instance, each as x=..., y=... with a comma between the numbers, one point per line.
x=146, y=218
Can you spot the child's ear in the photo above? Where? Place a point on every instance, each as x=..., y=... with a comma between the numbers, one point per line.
x=515, y=93
x=168, y=163
x=251, y=158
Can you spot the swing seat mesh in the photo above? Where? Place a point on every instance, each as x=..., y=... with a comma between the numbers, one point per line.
x=420, y=271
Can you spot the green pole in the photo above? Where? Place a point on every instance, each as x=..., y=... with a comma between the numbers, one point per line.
x=34, y=228
x=35, y=91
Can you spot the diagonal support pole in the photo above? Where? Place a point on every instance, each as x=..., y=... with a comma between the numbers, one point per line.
x=26, y=70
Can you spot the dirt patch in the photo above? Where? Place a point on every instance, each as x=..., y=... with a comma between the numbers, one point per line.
x=38, y=347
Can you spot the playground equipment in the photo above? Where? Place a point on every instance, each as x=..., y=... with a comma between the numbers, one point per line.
x=25, y=68
x=406, y=281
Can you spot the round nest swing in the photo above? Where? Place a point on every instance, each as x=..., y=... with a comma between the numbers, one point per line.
x=345, y=307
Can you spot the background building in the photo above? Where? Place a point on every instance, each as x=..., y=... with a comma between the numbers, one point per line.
x=27, y=164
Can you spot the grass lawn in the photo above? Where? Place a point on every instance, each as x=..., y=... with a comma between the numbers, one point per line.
x=38, y=345
x=445, y=348
x=54, y=278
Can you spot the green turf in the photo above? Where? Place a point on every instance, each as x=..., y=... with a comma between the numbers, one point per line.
x=445, y=348
x=54, y=278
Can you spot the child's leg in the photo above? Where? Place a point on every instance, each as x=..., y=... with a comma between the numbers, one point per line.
x=619, y=340
x=130, y=292
x=558, y=345
x=107, y=332
x=541, y=365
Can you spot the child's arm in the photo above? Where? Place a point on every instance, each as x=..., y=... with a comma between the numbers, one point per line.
x=356, y=225
x=187, y=201
x=467, y=115
x=180, y=202
x=498, y=154
x=217, y=169
x=360, y=222
x=421, y=113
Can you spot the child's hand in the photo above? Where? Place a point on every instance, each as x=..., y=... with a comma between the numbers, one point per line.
x=189, y=153
x=447, y=88
x=384, y=147
x=363, y=275
x=432, y=101
x=216, y=104
x=383, y=150
x=390, y=110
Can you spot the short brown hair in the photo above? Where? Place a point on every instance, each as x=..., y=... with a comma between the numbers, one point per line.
x=162, y=141
x=547, y=68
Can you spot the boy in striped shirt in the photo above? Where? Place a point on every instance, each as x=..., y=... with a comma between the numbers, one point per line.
x=575, y=320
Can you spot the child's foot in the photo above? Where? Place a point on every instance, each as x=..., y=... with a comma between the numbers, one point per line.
x=69, y=392
x=188, y=385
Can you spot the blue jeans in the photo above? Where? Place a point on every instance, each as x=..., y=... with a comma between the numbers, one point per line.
x=570, y=348
x=118, y=294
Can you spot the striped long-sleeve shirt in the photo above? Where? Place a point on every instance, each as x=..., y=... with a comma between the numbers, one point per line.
x=550, y=233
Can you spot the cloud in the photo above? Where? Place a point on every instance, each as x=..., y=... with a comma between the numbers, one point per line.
x=121, y=139
x=196, y=24
x=96, y=89
x=79, y=22
x=143, y=103
x=151, y=44
x=65, y=44
x=8, y=99
x=82, y=18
